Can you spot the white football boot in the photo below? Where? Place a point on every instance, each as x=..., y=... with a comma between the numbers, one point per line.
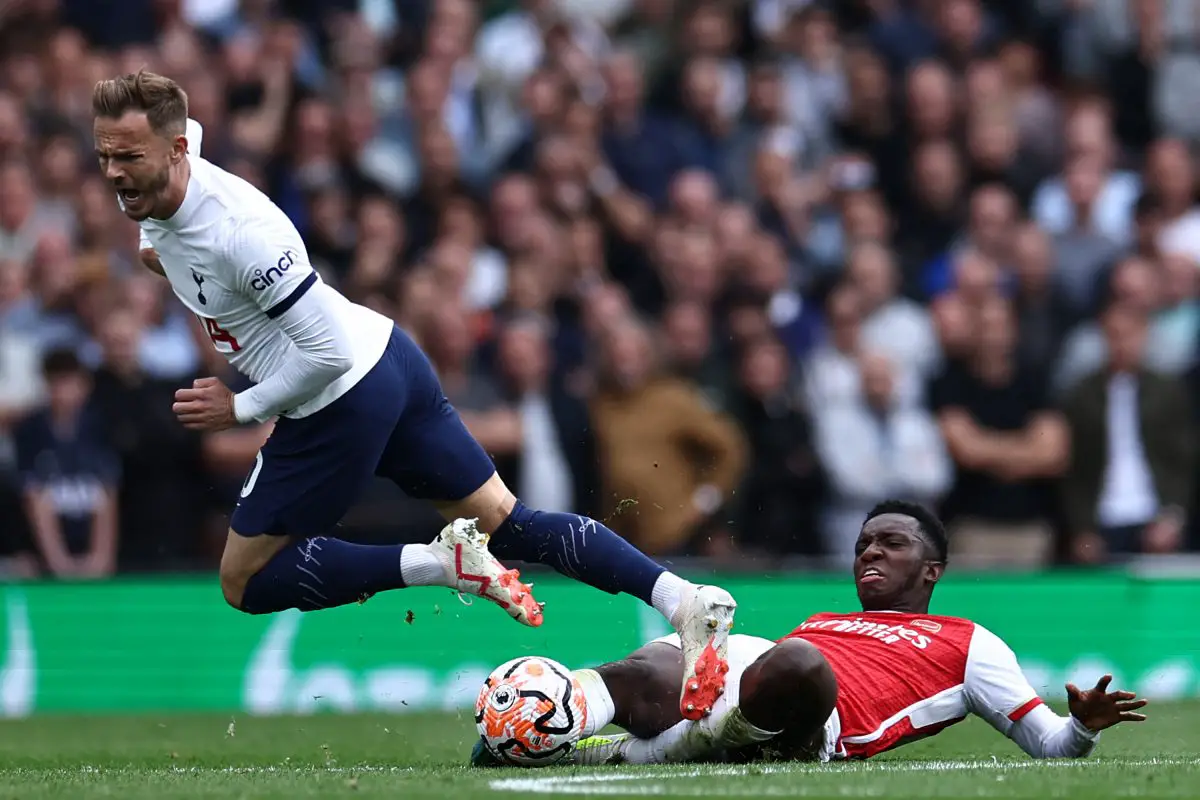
x=704, y=619
x=472, y=569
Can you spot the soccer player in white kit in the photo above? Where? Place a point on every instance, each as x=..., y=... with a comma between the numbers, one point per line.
x=353, y=397
x=847, y=685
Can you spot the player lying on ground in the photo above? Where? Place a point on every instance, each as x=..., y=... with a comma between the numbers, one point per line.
x=354, y=397
x=845, y=685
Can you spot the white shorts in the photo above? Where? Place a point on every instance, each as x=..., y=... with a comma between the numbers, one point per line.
x=744, y=650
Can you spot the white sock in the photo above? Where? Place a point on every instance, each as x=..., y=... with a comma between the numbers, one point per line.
x=420, y=567
x=684, y=741
x=694, y=741
x=667, y=594
x=600, y=706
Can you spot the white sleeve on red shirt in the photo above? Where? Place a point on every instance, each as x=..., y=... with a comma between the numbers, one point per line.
x=271, y=267
x=997, y=690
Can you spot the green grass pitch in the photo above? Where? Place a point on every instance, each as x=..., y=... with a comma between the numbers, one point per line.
x=418, y=756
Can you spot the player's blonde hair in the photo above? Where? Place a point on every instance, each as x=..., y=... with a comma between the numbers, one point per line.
x=161, y=99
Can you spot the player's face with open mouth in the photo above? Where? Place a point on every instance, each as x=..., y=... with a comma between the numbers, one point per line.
x=890, y=558
x=135, y=160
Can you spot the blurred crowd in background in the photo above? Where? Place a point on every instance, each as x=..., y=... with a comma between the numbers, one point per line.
x=723, y=273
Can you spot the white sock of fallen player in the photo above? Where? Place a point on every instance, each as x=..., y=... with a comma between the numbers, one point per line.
x=697, y=741
x=724, y=730
x=599, y=702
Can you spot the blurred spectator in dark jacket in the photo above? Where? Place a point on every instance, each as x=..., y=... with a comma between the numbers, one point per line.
x=931, y=103
x=991, y=223
x=707, y=30
x=954, y=321
x=1129, y=484
x=932, y=211
x=1042, y=314
x=70, y=476
x=21, y=391
x=782, y=491
x=1148, y=224
x=963, y=30
x=1006, y=441
x=994, y=151
x=706, y=124
x=556, y=465
x=870, y=123
x=543, y=100
x=644, y=149
x=162, y=495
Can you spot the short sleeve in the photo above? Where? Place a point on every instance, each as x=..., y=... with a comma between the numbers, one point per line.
x=996, y=688
x=271, y=265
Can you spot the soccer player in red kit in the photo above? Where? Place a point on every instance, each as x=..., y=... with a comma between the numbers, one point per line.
x=847, y=685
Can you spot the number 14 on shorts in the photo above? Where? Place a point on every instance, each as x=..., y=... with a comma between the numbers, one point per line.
x=219, y=335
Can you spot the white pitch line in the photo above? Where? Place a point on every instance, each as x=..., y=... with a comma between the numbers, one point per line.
x=274, y=770
x=620, y=783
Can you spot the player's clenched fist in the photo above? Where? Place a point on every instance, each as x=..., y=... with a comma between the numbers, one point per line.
x=207, y=406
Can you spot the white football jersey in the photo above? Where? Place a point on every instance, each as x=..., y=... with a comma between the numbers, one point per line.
x=235, y=260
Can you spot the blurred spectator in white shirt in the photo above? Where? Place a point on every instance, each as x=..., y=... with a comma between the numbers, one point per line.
x=892, y=325
x=1138, y=283
x=1088, y=132
x=875, y=446
x=1171, y=175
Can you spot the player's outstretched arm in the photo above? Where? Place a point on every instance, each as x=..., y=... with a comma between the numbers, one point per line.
x=1044, y=734
x=998, y=691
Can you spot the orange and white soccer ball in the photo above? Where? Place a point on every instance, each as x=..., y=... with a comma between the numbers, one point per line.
x=530, y=712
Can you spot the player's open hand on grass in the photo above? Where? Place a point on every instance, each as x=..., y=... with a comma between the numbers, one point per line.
x=207, y=406
x=1099, y=708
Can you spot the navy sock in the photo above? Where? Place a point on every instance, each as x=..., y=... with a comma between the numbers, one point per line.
x=578, y=547
x=321, y=573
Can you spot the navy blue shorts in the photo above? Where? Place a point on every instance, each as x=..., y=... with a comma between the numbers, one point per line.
x=395, y=423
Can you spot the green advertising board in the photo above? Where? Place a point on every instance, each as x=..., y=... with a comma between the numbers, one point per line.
x=131, y=646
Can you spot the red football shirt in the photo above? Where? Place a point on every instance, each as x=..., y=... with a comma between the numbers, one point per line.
x=902, y=677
